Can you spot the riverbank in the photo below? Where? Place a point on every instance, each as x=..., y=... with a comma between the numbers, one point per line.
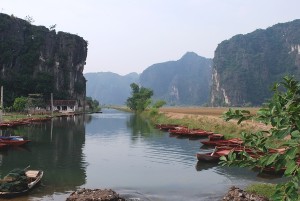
x=205, y=118
x=16, y=119
x=210, y=119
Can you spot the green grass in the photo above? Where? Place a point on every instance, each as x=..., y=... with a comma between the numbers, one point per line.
x=16, y=116
x=266, y=190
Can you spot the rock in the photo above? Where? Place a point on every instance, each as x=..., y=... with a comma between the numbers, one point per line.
x=236, y=194
x=95, y=194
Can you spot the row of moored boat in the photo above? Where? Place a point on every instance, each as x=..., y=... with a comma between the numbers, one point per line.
x=219, y=146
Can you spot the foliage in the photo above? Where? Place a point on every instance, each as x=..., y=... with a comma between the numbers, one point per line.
x=20, y=104
x=36, y=100
x=28, y=56
x=158, y=104
x=29, y=19
x=140, y=98
x=282, y=114
x=93, y=104
x=52, y=27
x=248, y=64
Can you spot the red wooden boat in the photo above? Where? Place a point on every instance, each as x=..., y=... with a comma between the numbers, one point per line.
x=183, y=131
x=212, y=157
x=215, y=136
x=14, y=141
x=231, y=142
x=166, y=127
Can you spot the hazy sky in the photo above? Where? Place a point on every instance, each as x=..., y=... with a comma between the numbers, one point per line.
x=130, y=35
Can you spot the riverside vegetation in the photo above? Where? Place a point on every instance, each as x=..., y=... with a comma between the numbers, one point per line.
x=280, y=116
x=210, y=119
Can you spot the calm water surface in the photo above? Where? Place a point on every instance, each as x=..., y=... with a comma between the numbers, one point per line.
x=121, y=151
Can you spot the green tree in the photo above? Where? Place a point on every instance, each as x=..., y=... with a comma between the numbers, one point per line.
x=140, y=99
x=93, y=104
x=20, y=104
x=281, y=112
x=159, y=104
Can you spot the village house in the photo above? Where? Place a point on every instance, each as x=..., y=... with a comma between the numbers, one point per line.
x=64, y=106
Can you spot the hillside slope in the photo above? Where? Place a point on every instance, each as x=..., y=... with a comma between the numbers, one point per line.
x=182, y=82
x=34, y=59
x=246, y=66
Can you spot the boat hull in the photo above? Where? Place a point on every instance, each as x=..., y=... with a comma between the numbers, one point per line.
x=33, y=180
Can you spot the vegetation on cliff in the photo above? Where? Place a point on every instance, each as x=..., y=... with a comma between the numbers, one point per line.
x=182, y=82
x=36, y=60
x=246, y=66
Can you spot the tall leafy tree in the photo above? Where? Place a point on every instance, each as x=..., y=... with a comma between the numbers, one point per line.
x=281, y=113
x=140, y=98
x=20, y=104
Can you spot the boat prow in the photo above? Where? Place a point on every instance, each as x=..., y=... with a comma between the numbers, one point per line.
x=33, y=178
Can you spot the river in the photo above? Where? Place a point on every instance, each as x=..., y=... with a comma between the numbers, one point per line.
x=121, y=151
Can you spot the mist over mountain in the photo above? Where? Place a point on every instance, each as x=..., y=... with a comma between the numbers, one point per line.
x=110, y=88
x=182, y=82
x=242, y=72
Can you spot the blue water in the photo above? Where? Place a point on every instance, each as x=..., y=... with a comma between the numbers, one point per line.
x=121, y=151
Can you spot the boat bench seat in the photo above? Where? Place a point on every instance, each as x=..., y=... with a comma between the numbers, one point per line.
x=32, y=173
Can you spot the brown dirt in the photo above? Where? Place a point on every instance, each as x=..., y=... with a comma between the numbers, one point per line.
x=203, y=111
x=210, y=113
x=95, y=194
x=236, y=194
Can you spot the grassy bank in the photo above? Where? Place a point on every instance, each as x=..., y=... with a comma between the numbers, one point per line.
x=208, y=119
x=9, y=117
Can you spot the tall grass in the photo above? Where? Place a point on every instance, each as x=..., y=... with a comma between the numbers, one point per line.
x=206, y=122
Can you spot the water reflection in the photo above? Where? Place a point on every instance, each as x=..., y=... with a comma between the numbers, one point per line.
x=121, y=151
x=139, y=126
x=56, y=148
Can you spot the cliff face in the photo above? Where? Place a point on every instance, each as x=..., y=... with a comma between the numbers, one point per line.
x=182, y=82
x=246, y=66
x=34, y=59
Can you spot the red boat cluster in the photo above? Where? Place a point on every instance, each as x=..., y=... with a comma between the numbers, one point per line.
x=221, y=146
x=183, y=130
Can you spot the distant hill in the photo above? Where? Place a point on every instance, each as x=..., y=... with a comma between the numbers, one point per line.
x=246, y=66
x=109, y=88
x=182, y=82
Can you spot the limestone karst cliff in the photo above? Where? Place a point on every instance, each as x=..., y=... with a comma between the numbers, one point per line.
x=182, y=82
x=34, y=59
x=246, y=66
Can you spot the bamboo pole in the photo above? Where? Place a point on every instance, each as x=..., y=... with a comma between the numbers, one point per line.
x=1, y=105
